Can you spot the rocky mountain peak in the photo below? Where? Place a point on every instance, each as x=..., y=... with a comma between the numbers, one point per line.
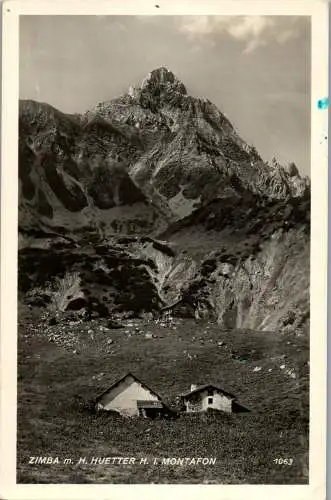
x=152, y=199
x=156, y=146
x=163, y=79
x=160, y=88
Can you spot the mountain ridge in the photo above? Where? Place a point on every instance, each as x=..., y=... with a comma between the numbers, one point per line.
x=178, y=149
x=159, y=163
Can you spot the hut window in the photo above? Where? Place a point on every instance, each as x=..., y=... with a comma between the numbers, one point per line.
x=210, y=401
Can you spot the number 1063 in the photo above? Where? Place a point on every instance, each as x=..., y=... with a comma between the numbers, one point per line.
x=283, y=461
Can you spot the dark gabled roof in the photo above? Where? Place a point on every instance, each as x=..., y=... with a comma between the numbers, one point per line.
x=150, y=404
x=206, y=386
x=129, y=374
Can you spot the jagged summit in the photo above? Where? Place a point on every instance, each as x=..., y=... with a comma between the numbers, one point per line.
x=164, y=79
x=158, y=89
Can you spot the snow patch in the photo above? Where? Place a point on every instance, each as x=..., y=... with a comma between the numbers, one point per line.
x=182, y=206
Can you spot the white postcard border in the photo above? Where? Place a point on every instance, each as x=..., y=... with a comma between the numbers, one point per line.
x=318, y=10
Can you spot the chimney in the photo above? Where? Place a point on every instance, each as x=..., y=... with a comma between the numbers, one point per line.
x=193, y=387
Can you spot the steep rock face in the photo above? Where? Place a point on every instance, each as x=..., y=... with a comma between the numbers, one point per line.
x=151, y=200
x=244, y=264
x=192, y=153
x=254, y=293
x=74, y=175
x=96, y=280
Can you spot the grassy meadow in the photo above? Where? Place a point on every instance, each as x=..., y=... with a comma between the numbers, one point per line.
x=63, y=367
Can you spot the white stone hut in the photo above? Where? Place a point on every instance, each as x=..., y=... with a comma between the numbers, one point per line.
x=131, y=397
x=208, y=396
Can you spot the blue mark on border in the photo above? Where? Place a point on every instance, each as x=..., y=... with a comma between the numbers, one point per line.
x=323, y=103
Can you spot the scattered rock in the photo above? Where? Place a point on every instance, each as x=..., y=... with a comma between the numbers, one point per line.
x=291, y=373
x=104, y=329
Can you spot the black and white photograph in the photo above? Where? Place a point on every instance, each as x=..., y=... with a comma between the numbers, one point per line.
x=164, y=249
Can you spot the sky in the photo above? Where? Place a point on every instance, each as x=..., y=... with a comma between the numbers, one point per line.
x=256, y=69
